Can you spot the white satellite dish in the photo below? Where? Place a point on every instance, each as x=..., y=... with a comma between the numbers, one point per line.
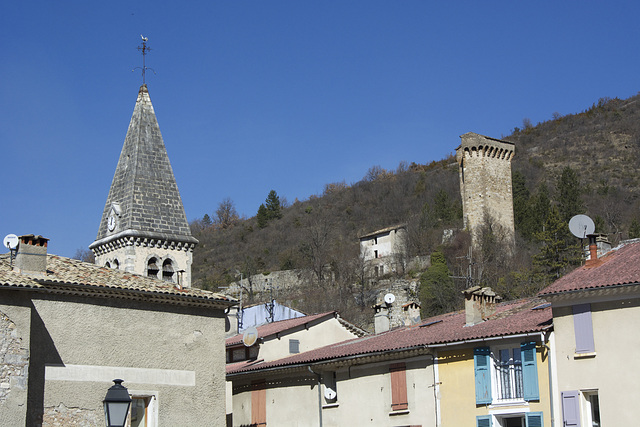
x=10, y=241
x=581, y=225
x=250, y=336
x=389, y=298
x=329, y=393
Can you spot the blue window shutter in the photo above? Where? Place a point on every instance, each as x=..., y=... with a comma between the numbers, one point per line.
x=583, y=328
x=571, y=408
x=534, y=419
x=483, y=421
x=481, y=362
x=529, y=371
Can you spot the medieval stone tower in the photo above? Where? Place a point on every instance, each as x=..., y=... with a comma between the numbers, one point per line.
x=144, y=228
x=484, y=166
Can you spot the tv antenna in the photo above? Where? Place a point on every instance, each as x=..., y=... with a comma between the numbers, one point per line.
x=144, y=49
x=11, y=242
x=389, y=298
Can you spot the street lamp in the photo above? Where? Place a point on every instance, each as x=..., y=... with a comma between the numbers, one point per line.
x=116, y=405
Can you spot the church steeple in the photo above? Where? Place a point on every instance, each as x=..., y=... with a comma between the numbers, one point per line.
x=144, y=228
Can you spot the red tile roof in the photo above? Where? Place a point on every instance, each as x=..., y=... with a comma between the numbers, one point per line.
x=618, y=267
x=511, y=318
x=270, y=329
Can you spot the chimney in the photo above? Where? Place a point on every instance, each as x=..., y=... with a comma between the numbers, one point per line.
x=598, y=246
x=411, y=313
x=31, y=258
x=382, y=322
x=479, y=304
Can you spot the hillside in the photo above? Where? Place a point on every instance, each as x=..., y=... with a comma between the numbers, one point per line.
x=595, y=150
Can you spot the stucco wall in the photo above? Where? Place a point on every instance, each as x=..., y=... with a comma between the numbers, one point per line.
x=318, y=335
x=611, y=371
x=173, y=353
x=363, y=397
x=15, y=325
x=456, y=390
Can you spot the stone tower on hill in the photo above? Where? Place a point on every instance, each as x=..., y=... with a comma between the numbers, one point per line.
x=484, y=166
x=144, y=229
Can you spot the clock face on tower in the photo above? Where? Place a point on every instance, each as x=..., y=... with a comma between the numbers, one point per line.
x=111, y=222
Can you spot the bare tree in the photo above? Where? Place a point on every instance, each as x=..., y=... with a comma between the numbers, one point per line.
x=226, y=214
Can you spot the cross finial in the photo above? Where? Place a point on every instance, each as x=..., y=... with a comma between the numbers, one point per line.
x=144, y=49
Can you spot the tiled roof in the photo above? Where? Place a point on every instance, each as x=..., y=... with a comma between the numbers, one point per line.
x=384, y=230
x=618, y=267
x=65, y=275
x=273, y=328
x=524, y=316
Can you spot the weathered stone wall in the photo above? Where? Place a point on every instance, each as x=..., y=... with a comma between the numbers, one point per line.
x=485, y=183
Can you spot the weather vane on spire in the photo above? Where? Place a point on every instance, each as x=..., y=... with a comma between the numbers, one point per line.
x=144, y=49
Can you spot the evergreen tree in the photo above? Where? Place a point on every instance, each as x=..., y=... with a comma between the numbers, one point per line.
x=634, y=229
x=569, y=199
x=273, y=207
x=262, y=216
x=559, y=249
x=443, y=207
x=521, y=207
x=438, y=293
x=206, y=220
x=540, y=209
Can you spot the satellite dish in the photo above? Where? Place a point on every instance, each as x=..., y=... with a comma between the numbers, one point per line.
x=389, y=298
x=250, y=336
x=10, y=241
x=581, y=225
x=329, y=393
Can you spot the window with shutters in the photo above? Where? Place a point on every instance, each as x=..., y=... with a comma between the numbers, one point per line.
x=506, y=374
x=294, y=346
x=583, y=328
x=398, y=374
x=522, y=419
x=258, y=403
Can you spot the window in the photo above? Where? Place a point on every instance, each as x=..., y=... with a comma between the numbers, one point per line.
x=152, y=267
x=398, y=374
x=294, y=346
x=506, y=374
x=330, y=388
x=144, y=409
x=572, y=413
x=527, y=419
x=583, y=328
x=167, y=271
x=259, y=403
x=116, y=264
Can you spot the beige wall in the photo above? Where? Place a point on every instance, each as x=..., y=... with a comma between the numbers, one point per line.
x=318, y=335
x=363, y=397
x=456, y=391
x=78, y=345
x=611, y=370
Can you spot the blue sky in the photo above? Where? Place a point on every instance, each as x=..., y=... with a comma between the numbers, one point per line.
x=284, y=95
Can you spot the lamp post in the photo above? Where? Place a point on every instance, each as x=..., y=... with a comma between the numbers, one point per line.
x=116, y=405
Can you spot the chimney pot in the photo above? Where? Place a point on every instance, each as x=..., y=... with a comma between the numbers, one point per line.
x=31, y=258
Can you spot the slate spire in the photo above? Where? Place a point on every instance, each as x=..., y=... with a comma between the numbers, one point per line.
x=143, y=207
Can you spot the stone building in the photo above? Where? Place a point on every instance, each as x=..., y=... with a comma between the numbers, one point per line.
x=484, y=166
x=384, y=251
x=144, y=228
x=68, y=328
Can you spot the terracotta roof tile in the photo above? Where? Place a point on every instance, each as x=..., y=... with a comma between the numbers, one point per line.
x=618, y=267
x=65, y=274
x=273, y=328
x=511, y=318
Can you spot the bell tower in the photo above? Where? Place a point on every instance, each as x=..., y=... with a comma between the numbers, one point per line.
x=144, y=229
